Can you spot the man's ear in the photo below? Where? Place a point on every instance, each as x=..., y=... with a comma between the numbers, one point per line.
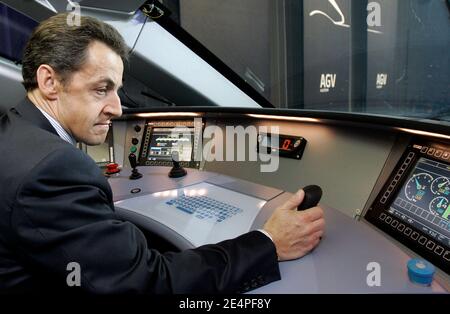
x=48, y=81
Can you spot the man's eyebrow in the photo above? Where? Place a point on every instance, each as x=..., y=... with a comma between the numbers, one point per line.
x=109, y=83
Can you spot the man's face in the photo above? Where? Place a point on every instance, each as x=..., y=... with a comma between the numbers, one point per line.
x=89, y=98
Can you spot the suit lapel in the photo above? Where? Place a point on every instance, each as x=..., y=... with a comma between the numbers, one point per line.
x=29, y=112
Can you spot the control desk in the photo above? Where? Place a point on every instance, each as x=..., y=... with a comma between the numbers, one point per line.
x=340, y=264
x=405, y=180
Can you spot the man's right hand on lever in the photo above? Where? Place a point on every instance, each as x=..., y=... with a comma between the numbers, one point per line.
x=295, y=233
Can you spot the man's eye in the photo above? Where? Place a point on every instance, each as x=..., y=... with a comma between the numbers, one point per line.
x=101, y=92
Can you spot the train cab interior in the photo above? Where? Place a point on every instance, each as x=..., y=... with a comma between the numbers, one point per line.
x=231, y=106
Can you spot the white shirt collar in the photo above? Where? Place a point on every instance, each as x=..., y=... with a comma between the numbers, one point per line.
x=59, y=129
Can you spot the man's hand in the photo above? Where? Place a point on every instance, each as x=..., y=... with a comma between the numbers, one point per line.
x=295, y=233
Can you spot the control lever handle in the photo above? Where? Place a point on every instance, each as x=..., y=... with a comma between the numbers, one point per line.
x=133, y=160
x=313, y=194
x=133, y=163
x=177, y=170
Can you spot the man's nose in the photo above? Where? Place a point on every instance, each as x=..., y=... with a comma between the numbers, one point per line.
x=114, y=106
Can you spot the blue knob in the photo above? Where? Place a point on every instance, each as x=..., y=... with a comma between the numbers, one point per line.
x=420, y=271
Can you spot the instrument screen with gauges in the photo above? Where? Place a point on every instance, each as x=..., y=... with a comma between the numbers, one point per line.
x=413, y=206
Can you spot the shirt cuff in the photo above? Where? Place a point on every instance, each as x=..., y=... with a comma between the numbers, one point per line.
x=266, y=233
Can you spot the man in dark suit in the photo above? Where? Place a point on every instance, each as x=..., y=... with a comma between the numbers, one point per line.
x=56, y=206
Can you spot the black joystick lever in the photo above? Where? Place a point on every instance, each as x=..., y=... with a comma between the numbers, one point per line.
x=133, y=163
x=313, y=193
x=177, y=171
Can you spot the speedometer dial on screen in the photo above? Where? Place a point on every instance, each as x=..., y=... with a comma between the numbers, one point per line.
x=417, y=186
x=441, y=186
x=439, y=206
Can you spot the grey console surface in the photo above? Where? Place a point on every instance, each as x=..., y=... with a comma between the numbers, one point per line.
x=342, y=263
x=155, y=179
x=238, y=206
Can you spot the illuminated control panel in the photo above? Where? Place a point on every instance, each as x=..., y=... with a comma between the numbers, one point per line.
x=202, y=213
x=161, y=138
x=413, y=206
x=164, y=141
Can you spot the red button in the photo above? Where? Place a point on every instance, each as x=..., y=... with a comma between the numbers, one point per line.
x=112, y=168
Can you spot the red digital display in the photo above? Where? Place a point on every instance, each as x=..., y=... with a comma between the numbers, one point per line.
x=288, y=146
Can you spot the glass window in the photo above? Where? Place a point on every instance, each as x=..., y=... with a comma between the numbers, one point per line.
x=386, y=57
x=15, y=29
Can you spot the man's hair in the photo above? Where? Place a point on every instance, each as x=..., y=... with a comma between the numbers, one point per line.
x=64, y=47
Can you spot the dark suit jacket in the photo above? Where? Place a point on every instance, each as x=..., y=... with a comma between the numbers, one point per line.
x=56, y=208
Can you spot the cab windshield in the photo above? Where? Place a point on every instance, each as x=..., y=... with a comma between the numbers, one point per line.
x=388, y=57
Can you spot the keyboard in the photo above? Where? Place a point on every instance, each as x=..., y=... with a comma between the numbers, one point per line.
x=203, y=207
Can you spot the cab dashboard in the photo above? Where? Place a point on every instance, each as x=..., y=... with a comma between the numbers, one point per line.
x=385, y=179
x=389, y=174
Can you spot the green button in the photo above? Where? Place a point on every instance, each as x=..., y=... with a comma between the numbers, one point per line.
x=133, y=149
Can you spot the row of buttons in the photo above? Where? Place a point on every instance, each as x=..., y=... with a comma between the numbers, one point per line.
x=397, y=177
x=159, y=163
x=422, y=240
x=438, y=153
x=134, y=140
x=146, y=141
x=166, y=163
x=172, y=123
x=436, y=220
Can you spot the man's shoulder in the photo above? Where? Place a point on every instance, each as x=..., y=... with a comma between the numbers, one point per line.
x=26, y=141
x=67, y=159
x=28, y=149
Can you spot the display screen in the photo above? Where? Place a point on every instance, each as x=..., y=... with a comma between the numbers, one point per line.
x=423, y=200
x=413, y=205
x=164, y=141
